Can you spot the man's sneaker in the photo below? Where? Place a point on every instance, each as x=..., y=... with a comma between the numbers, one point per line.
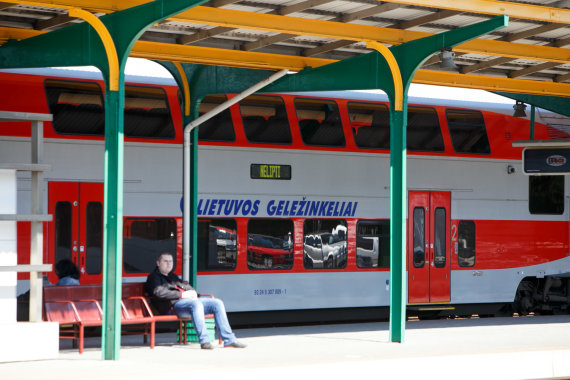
x=236, y=344
x=207, y=346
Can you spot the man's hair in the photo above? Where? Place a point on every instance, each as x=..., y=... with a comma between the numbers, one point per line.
x=66, y=268
x=163, y=254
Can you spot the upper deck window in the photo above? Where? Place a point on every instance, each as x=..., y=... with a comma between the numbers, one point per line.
x=218, y=128
x=77, y=107
x=370, y=125
x=424, y=132
x=319, y=121
x=265, y=120
x=147, y=114
x=467, y=130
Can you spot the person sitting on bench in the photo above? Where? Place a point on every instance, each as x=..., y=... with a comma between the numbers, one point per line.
x=166, y=290
x=67, y=272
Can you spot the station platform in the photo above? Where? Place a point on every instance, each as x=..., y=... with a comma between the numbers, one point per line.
x=477, y=348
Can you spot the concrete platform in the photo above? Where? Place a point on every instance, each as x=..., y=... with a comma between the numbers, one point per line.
x=492, y=348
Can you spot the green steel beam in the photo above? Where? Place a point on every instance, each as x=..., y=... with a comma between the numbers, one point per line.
x=410, y=57
x=532, y=111
x=372, y=71
x=552, y=103
x=80, y=45
x=369, y=71
x=204, y=80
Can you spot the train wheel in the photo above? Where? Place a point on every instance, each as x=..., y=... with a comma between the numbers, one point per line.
x=524, y=299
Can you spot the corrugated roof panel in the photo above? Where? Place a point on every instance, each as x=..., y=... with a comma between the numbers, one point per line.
x=555, y=34
x=405, y=13
x=340, y=6
x=461, y=19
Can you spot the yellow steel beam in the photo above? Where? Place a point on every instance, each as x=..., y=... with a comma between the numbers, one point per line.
x=108, y=43
x=481, y=82
x=236, y=58
x=394, y=69
x=328, y=29
x=185, y=88
x=223, y=57
x=494, y=7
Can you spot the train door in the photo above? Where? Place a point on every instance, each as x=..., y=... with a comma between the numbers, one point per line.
x=76, y=232
x=428, y=246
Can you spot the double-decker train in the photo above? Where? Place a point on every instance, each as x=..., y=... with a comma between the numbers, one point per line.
x=294, y=198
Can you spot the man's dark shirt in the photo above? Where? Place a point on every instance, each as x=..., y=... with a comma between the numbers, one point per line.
x=164, y=290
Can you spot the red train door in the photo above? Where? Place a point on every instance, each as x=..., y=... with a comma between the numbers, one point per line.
x=76, y=231
x=428, y=246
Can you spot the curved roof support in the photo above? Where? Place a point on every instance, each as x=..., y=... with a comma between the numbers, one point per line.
x=107, y=40
x=87, y=44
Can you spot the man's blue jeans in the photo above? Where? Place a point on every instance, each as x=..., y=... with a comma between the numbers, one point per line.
x=200, y=307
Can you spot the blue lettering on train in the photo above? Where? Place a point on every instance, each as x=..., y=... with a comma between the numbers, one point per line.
x=275, y=207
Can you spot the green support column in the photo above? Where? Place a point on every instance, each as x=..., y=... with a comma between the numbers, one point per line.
x=113, y=217
x=398, y=192
x=532, y=111
x=391, y=71
x=202, y=80
x=194, y=207
x=86, y=44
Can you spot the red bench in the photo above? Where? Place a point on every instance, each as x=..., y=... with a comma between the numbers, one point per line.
x=138, y=291
x=78, y=306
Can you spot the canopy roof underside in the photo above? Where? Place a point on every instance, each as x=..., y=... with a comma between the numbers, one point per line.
x=532, y=47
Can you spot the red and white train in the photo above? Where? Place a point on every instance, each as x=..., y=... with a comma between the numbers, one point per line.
x=294, y=197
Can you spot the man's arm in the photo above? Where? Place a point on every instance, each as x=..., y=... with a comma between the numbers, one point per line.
x=155, y=287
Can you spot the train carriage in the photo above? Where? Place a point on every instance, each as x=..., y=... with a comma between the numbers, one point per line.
x=294, y=197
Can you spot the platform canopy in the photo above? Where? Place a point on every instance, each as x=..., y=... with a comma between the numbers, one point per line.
x=530, y=56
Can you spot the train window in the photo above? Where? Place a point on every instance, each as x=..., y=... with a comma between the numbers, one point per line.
x=423, y=131
x=270, y=244
x=324, y=243
x=546, y=194
x=77, y=107
x=265, y=120
x=319, y=121
x=144, y=239
x=373, y=244
x=467, y=130
x=218, y=128
x=147, y=114
x=419, y=255
x=466, y=243
x=63, y=231
x=94, y=238
x=370, y=125
x=440, y=243
x=217, y=244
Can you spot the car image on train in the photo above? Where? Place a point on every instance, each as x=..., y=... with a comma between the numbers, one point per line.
x=293, y=198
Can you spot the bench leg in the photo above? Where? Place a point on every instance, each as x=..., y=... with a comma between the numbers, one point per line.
x=81, y=337
x=152, y=334
x=185, y=332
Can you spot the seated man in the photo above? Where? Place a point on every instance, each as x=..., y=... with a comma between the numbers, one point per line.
x=167, y=289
